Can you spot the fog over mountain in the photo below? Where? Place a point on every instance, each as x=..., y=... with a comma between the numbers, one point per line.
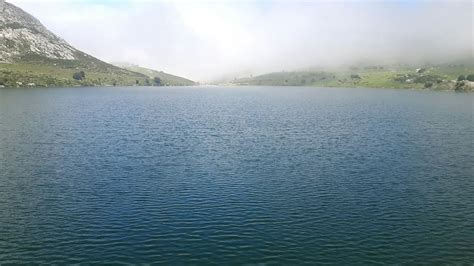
x=207, y=40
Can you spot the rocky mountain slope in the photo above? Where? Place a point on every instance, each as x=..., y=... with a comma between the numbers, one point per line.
x=31, y=55
x=21, y=34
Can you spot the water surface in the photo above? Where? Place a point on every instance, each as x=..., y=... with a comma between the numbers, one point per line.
x=246, y=175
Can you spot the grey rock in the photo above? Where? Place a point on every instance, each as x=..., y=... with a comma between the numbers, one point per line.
x=21, y=34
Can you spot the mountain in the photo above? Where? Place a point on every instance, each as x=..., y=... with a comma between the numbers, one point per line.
x=166, y=79
x=31, y=55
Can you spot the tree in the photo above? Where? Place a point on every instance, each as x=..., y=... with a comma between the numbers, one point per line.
x=470, y=77
x=79, y=75
x=157, y=81
x=461, y=78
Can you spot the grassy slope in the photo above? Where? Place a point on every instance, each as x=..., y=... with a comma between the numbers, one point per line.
x=166, y=79
x=45, y=72
x=440, y=76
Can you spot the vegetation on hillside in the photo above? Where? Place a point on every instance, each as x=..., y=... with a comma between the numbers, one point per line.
x=443, y=77
x=164, y=78
x=37, y=71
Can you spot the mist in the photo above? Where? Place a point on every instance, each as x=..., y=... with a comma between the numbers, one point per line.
x=209, y=40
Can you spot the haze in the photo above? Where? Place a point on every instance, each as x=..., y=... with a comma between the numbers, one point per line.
x=209, y=40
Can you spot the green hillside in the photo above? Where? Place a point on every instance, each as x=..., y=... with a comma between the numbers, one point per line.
x=39, y=71
x=166, y=79
x=409, y=77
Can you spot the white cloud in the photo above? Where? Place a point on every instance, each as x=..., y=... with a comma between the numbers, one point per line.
x=205, y=39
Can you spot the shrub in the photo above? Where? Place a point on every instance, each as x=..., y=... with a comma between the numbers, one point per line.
x=157, y=81
x=79, y=75
x=427, y=79
x=470, y=77
x=461, y=78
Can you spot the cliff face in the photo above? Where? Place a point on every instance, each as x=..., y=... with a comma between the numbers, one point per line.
x=23, y=35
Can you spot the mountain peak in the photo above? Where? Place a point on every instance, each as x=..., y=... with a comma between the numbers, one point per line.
x=22, y=35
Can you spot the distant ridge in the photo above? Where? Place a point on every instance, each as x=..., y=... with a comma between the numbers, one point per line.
x=166, y=79
x=449, y=76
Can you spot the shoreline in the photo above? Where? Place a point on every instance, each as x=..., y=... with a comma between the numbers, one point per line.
x=249, y=85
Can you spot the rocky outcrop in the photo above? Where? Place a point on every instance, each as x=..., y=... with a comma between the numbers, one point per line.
x=464, y=85
x=22, y=35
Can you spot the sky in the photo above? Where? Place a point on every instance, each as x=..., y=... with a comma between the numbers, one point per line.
x=207, y=40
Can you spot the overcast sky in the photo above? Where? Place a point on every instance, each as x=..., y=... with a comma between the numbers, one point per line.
x=206, y=40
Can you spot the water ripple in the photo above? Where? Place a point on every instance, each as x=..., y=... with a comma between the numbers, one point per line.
x=236, y=176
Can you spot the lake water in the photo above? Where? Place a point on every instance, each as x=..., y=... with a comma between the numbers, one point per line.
x=245, y=175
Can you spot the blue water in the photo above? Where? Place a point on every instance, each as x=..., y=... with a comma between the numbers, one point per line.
x=246, y=175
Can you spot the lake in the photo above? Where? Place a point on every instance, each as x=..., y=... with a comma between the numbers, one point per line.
x=236, y=175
